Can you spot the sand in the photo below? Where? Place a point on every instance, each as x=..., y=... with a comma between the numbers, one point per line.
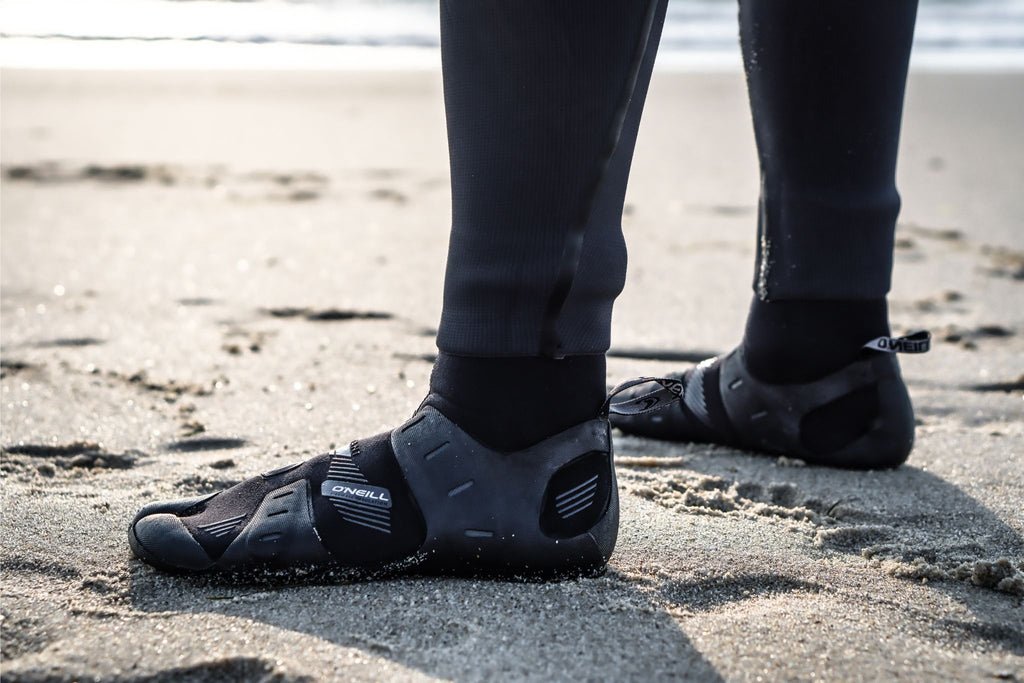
x=206, y=275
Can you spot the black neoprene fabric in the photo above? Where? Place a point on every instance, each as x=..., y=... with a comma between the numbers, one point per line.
x=351, y=544
x=787, y=341
x=532, y=92
x=509, y=404
x=826, y=83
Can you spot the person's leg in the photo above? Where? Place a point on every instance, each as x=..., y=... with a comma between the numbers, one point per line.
x=826, y=83
x=543, y=103
x=506, y=466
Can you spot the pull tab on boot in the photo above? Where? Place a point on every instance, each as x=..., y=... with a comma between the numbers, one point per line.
x=915, y=342
x=664, y=392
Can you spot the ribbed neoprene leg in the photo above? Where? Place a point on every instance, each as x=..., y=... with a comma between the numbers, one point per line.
x=826, y=83
x=543, y=101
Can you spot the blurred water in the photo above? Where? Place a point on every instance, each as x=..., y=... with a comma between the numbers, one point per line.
x=698, y=33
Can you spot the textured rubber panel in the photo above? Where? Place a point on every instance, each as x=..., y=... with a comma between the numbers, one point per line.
x=281, y=532
x=766, y=417
x=483, y=508
x=577, y=496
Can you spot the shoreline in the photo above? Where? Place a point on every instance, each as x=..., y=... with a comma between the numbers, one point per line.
x=22, y=52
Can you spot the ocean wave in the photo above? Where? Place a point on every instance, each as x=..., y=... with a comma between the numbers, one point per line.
x=979, y=31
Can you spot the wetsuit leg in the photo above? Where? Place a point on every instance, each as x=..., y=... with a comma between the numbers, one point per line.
x=543, y=102
x=826, y=83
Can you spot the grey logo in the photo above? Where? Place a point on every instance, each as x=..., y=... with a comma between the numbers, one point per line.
x=361, y=493
x=902, y=345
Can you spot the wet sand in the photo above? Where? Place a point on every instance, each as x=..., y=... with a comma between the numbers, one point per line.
x=208, y=275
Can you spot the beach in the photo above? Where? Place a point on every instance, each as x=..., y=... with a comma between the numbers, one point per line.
x=210, y=274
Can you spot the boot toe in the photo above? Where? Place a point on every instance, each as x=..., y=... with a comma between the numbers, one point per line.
x=163, y=541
